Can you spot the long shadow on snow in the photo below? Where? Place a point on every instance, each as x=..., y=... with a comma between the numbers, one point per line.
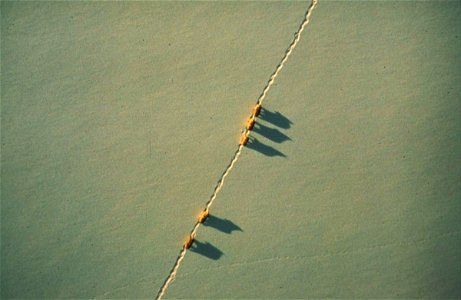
x=275, y=118
x=256, y=145
x=224, y=225
x=206, y=249
x=272, y=134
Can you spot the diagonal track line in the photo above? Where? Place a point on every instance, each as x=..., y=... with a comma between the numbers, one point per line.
x=288, y=52
x=193, y=232
x=236, y=156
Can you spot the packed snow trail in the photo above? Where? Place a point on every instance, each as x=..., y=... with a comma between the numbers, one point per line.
x=242, y=143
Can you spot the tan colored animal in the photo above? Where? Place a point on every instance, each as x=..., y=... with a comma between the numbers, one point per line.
x=250, y=123
x=257, y=109
x=189, y=242
x=202, y=216
x=244, y=138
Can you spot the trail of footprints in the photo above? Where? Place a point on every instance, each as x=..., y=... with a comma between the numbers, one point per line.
x=243, y=141
x=201, y=218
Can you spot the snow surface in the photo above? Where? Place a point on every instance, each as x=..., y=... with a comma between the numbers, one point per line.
x=118, y=118
x=366, y=203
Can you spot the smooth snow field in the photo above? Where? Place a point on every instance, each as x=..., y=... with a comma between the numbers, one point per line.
x=118, y=119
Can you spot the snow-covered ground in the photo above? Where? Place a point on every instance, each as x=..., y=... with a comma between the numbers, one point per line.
x=118, y=118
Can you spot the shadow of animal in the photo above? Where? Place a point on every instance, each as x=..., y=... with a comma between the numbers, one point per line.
x=272, y=134
x=224, y=225
x=263, y=148
x=276, y=118
x=206, y=249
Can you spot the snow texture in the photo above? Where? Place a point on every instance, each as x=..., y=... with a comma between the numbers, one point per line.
x=118, y=118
